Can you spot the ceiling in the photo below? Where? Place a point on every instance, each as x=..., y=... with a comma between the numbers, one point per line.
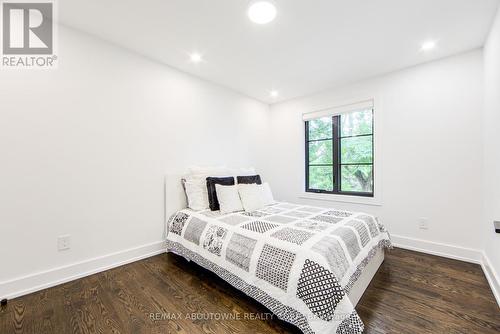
x=311, y=45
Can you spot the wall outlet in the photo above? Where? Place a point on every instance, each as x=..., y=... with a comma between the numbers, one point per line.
x=63, y=242
x=423, y=223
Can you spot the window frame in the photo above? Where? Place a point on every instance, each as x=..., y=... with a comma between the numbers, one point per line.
x=337, y=162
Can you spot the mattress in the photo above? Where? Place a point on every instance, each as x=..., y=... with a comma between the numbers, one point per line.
x=299, y=261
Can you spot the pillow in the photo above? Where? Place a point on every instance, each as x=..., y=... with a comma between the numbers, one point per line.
x=195, y=185
x=249, y=179
x=197, y=197
x=267, y=194
x=228, y=198
x=213, y=203
x=255, y=196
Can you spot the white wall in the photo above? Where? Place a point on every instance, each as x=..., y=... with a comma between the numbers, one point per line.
x=84, y=150
x=429, y=133
x=491, y=137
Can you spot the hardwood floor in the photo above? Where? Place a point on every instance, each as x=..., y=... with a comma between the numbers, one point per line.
x=411, y=293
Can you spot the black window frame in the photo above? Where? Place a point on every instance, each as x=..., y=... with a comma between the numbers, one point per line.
x=337, y=163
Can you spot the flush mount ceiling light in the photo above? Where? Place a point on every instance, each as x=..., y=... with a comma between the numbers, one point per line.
x=428, y=45
x=273, y=93
x=195, y=57
x=261, y=12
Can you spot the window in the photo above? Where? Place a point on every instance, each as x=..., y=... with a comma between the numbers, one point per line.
x=339, y=152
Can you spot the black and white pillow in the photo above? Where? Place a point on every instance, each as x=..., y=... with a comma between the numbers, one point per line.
x=249, y=179
x=212, y=193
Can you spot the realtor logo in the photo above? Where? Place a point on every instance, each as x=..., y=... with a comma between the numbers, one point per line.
x=28, y=34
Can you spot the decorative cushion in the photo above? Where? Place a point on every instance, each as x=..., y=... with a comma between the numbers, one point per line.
x=212, y=193
x=197, y=196
x=228, y=198
x=267, y=194
x=255, y=196
x=249, y=179
x=195, y=185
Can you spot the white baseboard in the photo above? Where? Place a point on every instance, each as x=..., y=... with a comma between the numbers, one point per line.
x=439, y=249
x=492, y=277
x=453, y=252
x=42, y=280
x=49, y=278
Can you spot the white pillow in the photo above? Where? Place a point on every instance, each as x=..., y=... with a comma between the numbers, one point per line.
x=229, y=198
x=197, y=195
x=255, y=196
x=196, y=185
x=267, y=194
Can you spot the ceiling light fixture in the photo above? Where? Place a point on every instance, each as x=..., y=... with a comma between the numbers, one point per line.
x=195, y=57
x=273, y=93
x=428, y=46
x=261, y=12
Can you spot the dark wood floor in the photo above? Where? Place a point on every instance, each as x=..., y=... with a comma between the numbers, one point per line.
x=411, y=293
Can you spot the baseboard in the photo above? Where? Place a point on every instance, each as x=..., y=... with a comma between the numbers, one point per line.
x=492, y=277
x=49, y=278
x=46, y=279
x=439, y=249
x=453, y=252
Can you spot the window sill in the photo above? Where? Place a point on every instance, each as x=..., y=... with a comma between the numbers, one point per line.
x=375, y=201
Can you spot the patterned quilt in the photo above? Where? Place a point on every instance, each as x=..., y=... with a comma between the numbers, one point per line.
x=299, y=261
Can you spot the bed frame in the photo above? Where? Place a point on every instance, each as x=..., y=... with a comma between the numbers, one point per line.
x=175, y=200
x=359, y=288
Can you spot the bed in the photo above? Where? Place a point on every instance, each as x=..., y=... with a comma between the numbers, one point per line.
x=308, y=265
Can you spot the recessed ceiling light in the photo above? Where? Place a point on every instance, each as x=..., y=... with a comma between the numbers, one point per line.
x=195, y=57
x=428, y=46
x=273, y=93
x=261, y=12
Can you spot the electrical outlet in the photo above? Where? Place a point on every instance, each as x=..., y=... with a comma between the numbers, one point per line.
x=63, y=242
x=423, y=223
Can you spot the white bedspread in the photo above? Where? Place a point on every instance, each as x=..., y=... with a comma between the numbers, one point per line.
x=299, y=261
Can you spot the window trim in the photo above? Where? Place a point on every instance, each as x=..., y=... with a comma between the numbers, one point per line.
x=336, y=165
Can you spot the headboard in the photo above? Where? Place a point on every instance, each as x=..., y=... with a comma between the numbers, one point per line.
x=175, y=197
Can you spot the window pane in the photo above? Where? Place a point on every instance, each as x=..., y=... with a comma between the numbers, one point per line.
x=320, y=152
x=356, y=123
x=356, y=150
x=357, y=178
x=320, y=128
x=321, y=178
